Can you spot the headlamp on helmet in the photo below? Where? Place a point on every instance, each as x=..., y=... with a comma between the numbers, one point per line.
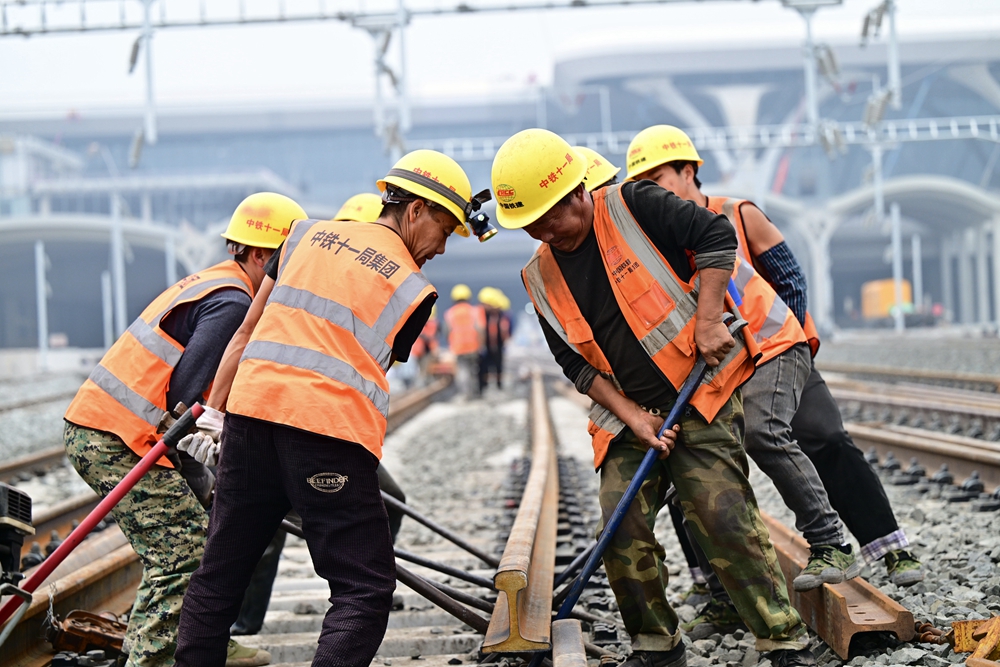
x=479, y=222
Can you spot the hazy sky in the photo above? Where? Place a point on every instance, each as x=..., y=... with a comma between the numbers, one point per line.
x=454, y=56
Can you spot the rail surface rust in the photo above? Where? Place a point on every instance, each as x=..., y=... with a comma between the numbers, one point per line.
x=836, y=612
x=522, y=618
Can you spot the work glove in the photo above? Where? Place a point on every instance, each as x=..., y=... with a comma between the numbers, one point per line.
x=210, y=423
x=201, y=447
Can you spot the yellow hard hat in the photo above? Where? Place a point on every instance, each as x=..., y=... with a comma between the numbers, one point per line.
x=262, y=220
x=658, y=145
x=488, y=296
x=502, y=302
x=365, y=207
x=532, y=171
x=439, y=179
x=461, y=292
x=599, y=170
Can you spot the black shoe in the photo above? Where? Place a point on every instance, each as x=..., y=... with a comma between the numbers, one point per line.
x=675, y=657
x=789, y=658
x=240, y=629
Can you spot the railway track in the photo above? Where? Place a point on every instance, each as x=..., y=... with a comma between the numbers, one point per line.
x=536, y=519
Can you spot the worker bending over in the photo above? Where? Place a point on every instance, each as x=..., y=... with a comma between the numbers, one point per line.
x=615, y=295
x=364, y=207
x=169, y=356
x=465, y=327
x=816, y=426
x=308, y=403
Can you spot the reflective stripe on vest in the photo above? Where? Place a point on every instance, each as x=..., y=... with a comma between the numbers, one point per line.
x=663, y=321
x=772, y=323
x=311, y=360
x=318, y=357
x=126, y=393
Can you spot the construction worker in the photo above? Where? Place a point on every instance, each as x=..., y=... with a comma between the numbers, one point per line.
x=304, y=385
x=600, y=172
x=496, y=332
x=465, y=327
x=613, y=288
x=425, y=349
x=667, y=156
x=364, y=207
x=169, y=356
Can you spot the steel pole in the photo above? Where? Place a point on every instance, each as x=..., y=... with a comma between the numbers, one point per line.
x=897, y=267
x=41, y=300
x=982, y=276
x=809, y=63
x=118, y=265
x=892, y=49
x=147, y=37
x=917, y=257
x=107, y=306
x=996, y=269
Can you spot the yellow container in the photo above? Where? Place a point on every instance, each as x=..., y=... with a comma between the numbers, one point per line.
x=879, y=296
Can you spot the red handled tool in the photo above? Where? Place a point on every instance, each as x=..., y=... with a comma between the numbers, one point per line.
x=169, y=440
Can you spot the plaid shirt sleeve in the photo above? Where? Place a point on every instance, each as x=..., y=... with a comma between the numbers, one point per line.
x=786, y=277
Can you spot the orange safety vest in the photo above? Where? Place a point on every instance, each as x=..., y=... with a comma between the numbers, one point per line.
x=659, y=307
x=126, y=394
x=774, y=332
x=465, y=325
x=318, y=357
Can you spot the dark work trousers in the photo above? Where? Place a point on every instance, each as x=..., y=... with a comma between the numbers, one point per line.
x=490, y=360
x=258, y=595
x=854, y=489
x=265, y=470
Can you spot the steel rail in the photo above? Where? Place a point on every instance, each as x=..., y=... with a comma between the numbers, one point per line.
x=32, y=402
x=568, y=648
x=982, y=381
x=32, y=463
x=836, y=612
x=406, y=405
x=977, y=419
x=961, y=454
x=522, y=619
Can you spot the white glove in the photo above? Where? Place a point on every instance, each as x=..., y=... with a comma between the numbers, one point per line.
x=201, y=447
x=210, y=422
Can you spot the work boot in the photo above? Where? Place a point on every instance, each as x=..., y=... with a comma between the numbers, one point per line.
x=696, y=595
x=243, y=656
x=828, y=564
x=715, y=616
x=904, y=569
x=789, y=658
x=675, y=657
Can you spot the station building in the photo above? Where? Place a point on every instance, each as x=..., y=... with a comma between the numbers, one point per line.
x=65, y=181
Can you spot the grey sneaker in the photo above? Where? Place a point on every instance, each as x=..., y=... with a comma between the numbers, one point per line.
x=828, y=564
x=789, y=658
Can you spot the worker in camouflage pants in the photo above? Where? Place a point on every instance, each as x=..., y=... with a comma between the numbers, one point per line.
x=709, y=469
x=166, y=526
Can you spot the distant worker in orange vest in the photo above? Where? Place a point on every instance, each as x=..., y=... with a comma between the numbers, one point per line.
x=496, y=333
x=304, y=386
x=426, y=347
x=168, y=356
x=669, y=158
x=614, y=289
x=465, y=326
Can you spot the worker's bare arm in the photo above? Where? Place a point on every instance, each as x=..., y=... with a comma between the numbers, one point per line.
x=643, y=424
x=231, y=358
x=710, y=333
x=762, y=235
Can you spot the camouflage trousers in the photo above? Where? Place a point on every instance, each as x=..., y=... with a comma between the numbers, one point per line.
x=166, y=526
x=708, y=467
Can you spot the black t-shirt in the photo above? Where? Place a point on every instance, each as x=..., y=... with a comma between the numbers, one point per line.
x=407, y=334
x=676, y=227
x=204, y=328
